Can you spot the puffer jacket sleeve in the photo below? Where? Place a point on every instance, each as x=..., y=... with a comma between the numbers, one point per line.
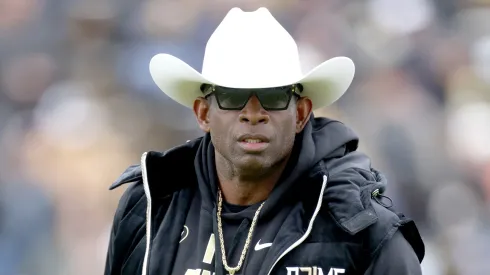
x=397, y=257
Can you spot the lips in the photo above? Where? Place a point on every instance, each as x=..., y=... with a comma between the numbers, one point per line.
x=249, y=138
x=253, y=144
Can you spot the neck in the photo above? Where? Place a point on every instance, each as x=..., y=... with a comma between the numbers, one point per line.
x=246, y=187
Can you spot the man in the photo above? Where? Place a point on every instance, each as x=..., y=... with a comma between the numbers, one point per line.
x=269, y=189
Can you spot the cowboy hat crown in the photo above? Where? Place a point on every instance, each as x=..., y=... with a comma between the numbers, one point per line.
x=251, y=50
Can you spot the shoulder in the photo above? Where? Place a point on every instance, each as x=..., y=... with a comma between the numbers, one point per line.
x=387, y=233
x=355, y=201
x=132, y=203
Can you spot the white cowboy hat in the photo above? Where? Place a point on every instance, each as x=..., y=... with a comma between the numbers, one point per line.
x=251, y=50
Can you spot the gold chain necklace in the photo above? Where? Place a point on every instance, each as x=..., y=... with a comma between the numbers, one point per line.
x=232, y=270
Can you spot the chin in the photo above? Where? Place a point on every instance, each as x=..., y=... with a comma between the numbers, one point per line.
x=252, y=164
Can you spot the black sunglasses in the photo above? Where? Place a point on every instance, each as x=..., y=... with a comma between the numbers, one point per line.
x=271, y=99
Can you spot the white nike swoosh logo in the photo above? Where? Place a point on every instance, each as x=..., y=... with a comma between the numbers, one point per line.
x=260, y=246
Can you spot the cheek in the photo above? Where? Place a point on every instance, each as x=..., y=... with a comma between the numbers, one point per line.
x=286, y=131
x=220, y=130
x=291, y=122
x=288, y=135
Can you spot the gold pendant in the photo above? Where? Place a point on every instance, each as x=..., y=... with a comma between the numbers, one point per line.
x=232, y=272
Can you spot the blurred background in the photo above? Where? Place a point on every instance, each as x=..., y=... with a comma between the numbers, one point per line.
x=77, y=106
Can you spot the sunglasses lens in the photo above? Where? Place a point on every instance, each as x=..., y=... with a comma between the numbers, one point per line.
x=270, y=98
x=274, y=98
x=231, y=99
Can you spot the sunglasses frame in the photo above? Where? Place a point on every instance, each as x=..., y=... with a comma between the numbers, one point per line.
x=294, y=90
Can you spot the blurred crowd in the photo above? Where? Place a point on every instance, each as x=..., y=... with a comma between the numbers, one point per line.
x=77, y=105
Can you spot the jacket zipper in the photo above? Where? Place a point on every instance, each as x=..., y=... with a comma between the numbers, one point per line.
x=308, y=230
x=148, y=213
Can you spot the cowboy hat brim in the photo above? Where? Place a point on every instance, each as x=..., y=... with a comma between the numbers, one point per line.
x=323, y=85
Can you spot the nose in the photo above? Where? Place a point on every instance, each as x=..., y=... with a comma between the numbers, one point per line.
x=253, y=112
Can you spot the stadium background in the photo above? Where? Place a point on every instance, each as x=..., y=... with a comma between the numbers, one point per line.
x=77, y=105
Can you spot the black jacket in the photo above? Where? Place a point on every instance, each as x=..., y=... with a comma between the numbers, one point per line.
x=325, y=216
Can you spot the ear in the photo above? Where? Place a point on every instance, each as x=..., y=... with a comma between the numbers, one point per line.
x=303, y=112
x=201, y=110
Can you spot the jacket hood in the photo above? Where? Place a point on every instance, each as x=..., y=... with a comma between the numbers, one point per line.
x=324, y=147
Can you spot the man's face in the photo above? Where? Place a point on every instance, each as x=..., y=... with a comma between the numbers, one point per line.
x=253, y=139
